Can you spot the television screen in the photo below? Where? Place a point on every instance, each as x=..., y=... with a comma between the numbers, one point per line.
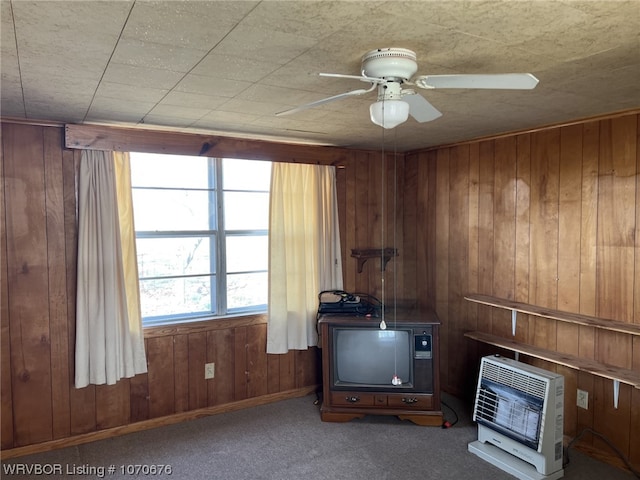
x=371, y=356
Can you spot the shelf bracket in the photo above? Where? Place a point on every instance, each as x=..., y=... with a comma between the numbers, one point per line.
x=514, y=321
x=364, y=254
x=616, y=393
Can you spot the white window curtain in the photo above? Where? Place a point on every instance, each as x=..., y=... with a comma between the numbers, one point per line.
x=109, y=338
x=304, y=252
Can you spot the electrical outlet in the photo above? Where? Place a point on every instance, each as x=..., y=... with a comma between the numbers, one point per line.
x=582, y=399
x=209, y=370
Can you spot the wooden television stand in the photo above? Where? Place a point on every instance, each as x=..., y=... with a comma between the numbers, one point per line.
x=418, y=403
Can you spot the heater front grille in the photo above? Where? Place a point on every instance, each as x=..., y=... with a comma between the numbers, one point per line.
x=517, y=380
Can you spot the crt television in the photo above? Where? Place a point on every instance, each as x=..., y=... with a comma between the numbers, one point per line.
x=362, y=357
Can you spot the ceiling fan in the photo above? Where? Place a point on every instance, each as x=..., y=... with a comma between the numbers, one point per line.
x=391, y=69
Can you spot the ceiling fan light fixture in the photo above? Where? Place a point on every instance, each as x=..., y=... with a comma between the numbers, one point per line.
x=389, y=113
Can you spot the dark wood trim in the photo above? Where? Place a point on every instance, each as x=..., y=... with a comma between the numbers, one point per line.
x=98, y=137
x=205, y=325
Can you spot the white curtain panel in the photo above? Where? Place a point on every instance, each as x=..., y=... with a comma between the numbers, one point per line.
x=304, y=252
x=109, y=338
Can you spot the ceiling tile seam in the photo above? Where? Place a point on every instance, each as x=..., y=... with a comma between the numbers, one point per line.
x=108, y=61
x=201, y=60
x=15, y=39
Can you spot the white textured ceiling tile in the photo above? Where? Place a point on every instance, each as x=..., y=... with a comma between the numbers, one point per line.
x=220, y=118
x=156, y=55
x=192, y=100
x=56, y=111
x=253, y=108
x=112, y=109
x=233, y=67
x=192, y=113
x=143, y=76
x=211, y=86
x=315, y=19
x=263, y=45
x=195, y=25
x=130, y=92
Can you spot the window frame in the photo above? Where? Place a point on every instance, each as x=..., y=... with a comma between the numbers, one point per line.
x=218, y=235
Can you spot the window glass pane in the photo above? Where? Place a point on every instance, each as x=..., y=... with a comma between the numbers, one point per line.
x=174, y=256
x=155, y=170
x=172, y=210
x=247, y=253
x=246, y=211
x=192, y=295
x=245, y=290
x=246, y=174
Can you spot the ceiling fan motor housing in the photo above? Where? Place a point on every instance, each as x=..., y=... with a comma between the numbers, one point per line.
x=391, y=63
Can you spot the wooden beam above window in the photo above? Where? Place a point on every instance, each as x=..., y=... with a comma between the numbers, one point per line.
x=99, y=137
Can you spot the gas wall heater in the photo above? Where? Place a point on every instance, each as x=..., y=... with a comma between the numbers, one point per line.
x=519, y=410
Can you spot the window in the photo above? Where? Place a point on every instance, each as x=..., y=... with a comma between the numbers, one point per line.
x=201, y=235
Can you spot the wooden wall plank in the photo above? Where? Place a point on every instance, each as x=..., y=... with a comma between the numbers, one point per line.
x=543, y=289
x=287, y=371
x=257, y=380
x=523, y=229
x=350, y=232
x=240, y=368
x=27, y=273
x=113, y=404
x=307, y=367
x=410, y=227
x=569, y=236
x=139, y=389
x=442, y=258
x=634, y=444
x=56, y=259
x=588, y=255
x=472, y=284
x=6, y=397
x=197, y=358
x=220, y=350
x=362, y=237
x=504, y=229
x=485, y=229
x=180, y=372
x=457, y=263
x=161, y=368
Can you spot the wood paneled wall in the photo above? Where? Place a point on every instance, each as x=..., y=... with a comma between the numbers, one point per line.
x=38, y=260
x=549, y=218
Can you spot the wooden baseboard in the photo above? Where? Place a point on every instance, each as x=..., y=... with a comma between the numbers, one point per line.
x=155, y=422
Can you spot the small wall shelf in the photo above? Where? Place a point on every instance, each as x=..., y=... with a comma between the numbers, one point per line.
x=364, y=254
x=616, y=374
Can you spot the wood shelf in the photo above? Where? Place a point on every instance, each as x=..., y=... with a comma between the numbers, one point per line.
x=616, y=374
x=612, y=325
x=623, y=375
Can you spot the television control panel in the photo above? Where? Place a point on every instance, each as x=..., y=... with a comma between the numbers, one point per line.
x=423, y=346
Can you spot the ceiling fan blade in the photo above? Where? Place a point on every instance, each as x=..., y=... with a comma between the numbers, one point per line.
x=355, y=77
x=317, y=103
x=509, y=81
x=420, y=108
